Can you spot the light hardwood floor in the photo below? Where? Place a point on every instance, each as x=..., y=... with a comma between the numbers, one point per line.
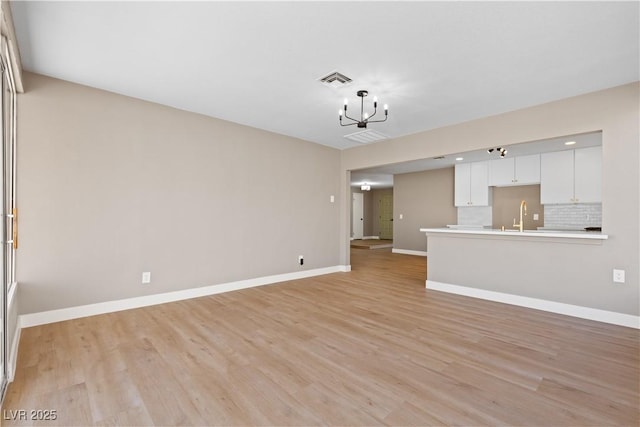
x=370, y=347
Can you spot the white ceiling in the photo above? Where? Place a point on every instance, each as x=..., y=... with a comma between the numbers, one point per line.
x=434, y=63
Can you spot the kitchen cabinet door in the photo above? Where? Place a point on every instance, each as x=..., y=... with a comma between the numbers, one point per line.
x=472, y=184
x=462, y=190
x=588, y=175
x=521, y=170
x=480, y=184
x=556, y=177
x=501, y=172
x=527, y=170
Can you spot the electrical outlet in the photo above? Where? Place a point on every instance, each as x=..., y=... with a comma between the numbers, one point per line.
x=618, y=276
x=146, y=277
x=536, y=217
x=332, y=199
x=301, y=259
x=401, y=216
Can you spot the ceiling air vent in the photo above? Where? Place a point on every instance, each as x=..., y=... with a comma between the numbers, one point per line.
x=335, y=80
x=438, y=158
x=366, y=136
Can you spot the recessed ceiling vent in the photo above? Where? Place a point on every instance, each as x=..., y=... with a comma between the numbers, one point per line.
x=366, y=136
x=335, y=80
x=438, y=158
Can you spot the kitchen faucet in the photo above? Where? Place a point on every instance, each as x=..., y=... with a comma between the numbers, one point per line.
x=520, y=226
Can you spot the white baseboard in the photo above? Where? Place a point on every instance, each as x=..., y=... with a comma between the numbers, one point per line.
x=13, y=353
x=52, y=316
x=589, y=313
x=408, y=252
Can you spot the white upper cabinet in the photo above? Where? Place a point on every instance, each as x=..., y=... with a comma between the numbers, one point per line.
x=501, y=171
x=588, y=175
x=522, y=170
x=472, y=184
x=527, y=170
x=572, y=176
x=462, y=189
x=556, y=177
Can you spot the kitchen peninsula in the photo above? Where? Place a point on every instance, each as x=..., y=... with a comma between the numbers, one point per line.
x=590, y=235
x=532, y=268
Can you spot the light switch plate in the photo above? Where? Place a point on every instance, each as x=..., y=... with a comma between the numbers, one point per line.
x=536, y=217
x=146, y=277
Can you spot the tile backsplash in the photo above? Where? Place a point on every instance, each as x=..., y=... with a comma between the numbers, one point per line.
x=475, y=215
x=574, y=216
x=577, y=215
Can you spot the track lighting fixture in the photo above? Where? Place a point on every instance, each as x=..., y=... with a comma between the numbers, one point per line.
x=501, y=150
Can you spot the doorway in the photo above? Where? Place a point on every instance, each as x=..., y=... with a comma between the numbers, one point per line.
x=386, y=216
x=357, y=212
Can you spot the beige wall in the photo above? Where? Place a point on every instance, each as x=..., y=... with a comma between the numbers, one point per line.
x=506, y=206
x=614, y=112
x=111, y=186
x=425, y=199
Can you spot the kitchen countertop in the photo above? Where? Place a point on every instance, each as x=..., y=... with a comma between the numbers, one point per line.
x=515, y=233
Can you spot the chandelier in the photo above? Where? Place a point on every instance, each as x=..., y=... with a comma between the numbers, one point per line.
x=365, y=118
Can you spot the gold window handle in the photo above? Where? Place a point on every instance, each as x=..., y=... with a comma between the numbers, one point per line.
x=15, y=228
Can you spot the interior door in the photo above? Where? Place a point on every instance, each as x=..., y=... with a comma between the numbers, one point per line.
x=7, y=202
x=357, y=229
x=386, y=216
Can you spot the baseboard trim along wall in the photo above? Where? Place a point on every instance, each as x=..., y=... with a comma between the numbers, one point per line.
x=598, y=315
x=408, y=252
x=13, y=354
x=52, y=316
